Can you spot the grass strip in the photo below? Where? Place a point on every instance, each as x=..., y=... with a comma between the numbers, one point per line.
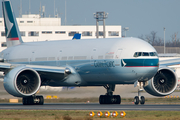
x=84, y=115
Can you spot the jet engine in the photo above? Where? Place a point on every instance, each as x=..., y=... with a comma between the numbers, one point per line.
x=163, y=83
x=22, y=81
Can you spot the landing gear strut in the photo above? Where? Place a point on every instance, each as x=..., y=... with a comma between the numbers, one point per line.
x=109, y=98
x=33, y=100
x=139, y=99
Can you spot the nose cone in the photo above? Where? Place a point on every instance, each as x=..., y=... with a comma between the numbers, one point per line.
x=140, y=60
x=149, y=58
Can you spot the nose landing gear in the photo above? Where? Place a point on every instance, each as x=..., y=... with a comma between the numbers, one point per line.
x=139, y=99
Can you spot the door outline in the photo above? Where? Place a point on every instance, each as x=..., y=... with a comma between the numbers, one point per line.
x=118, y=56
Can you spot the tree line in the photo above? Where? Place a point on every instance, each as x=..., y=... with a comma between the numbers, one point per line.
x=154, y=40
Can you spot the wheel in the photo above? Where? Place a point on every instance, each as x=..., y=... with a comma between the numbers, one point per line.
x=142, y=101
x=118, y=99
x=24, y=101
x=101, y=99
x=41, y=100
x=136, y=100
x=28, y=100
x=107, y=99
x=110, y=99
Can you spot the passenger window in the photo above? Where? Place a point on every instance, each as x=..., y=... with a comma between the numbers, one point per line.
x=145, y=54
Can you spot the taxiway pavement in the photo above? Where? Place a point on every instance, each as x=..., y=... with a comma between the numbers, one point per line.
x=90, y=106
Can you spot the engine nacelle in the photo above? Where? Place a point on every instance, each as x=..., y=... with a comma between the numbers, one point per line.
x=163, y=83
x=22, y=81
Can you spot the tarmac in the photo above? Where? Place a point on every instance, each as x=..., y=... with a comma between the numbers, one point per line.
x=90, y=106
x=125, y=91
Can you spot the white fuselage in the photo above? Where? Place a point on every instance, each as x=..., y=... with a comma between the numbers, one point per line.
x=97, y=61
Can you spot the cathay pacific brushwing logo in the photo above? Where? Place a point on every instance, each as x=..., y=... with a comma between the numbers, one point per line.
x=123, y=63
x=9, y=25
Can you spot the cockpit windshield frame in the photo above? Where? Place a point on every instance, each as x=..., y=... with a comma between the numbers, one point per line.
x=145, y=54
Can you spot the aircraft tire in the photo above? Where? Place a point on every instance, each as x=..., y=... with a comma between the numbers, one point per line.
x=108, y=99
x=118, y=99
x=101, y=99
x=41, y=100
x=28, y=100
x=105, y=99
x=142, y=101
x=136, y=100
x=24, y=101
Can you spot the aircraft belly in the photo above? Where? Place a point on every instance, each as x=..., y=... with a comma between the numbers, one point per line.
x=107, y=76
x=118, y=75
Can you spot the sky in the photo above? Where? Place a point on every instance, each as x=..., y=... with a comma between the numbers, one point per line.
x=141, y=16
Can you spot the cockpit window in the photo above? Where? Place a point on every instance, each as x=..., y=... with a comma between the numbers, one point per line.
x=145, y=54
x=155, y=53
x=138, y=54
x=152, y=54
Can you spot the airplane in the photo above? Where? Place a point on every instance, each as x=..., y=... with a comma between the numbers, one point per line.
x=75, y=63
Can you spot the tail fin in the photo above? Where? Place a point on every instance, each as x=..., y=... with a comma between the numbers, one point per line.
x=13, y=36
x=77, y=36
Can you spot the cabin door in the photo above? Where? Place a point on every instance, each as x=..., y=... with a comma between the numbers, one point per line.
x=58, y=58
x=118, y=56
x=93, y=56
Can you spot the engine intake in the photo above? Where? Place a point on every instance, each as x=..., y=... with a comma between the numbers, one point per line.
x=22, y=81
x=163, y=83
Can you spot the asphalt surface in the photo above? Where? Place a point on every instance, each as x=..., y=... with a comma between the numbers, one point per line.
x=126, y=91
x=90, y=106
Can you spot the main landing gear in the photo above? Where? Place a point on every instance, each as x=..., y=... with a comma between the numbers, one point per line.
x=33, y=100
x=109, y=98
x=139, y=99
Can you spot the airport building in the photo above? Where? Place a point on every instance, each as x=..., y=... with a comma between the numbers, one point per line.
x=33, y=28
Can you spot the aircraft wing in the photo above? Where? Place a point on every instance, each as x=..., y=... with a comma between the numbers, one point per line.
x=4, y=66
x=44, y=71
x=169, y=62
